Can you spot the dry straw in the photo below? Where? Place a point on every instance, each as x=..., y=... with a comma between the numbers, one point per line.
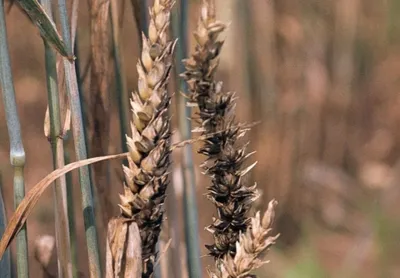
x=149, y=146
x=99, y=101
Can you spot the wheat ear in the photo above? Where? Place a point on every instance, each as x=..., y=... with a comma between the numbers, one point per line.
x=229, y=193
x=149, y=146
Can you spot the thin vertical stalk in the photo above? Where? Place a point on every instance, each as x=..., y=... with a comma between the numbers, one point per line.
x=157, y=269
x=81, y=95
x=269, y=96
x=5, y=262
x=80, y=149
x=17, y=152
x=57, y=147
x=173, y=211
x=268, y=82
x=140, y=10
x=180, y=23
x=344, y=38
x=250, y=62
x=99, y=102
x=80, y=86
x=143, y=18
x=71, y=216
x=122, y=92
x=251, y=68
x=80, y=80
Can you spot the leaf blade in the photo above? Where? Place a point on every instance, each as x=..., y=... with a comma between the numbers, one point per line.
x=45, y=25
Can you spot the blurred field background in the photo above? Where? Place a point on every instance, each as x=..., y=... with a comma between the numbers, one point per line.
x=323, y=79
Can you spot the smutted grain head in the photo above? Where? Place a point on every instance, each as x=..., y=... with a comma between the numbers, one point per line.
x=225, y=156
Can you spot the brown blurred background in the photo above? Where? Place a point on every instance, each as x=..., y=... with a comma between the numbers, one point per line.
x=322, y=76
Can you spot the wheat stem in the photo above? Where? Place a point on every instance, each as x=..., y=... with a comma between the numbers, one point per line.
x=17, y=152
x=140, y=10
x=180, y=23
x=68, y=176
x=99, y=100
x=5, y=261
x=71, y=215
x=80, y=150
x=56, y=141
x=122, y=92
x=80, y=87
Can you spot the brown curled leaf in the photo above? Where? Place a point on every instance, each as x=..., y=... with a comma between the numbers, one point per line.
x=24, y=209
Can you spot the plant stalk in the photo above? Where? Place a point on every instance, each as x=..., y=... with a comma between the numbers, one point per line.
x=17, y=152
x=180, y=23
x=122, y=92
x=80, y=149
x=5, y=262
x=56, y=141
x=71, y=216
x=140, y=10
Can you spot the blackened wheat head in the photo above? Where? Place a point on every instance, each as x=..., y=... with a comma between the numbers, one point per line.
x=225, y=156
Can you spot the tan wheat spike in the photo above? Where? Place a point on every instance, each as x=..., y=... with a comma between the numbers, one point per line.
x=249, y=248
x=149, y=145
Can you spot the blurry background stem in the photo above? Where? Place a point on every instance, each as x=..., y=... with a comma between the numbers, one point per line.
x=17, y=152
x=179, y=25
x=140, y=11
x=344, y=36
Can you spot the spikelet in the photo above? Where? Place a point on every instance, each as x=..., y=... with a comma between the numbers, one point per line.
x=229, y=193
x=251, y=246
x=149, y=146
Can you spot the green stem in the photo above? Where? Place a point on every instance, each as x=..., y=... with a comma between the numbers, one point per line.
x=17, y=153
x=71, y=216
x=82, y=98
x=60, y=190
x=189, y=181
x=140, y=11
x=80, y=87
x=80, y=149
x=144, y=9
x=122, y=92
x=5, y=262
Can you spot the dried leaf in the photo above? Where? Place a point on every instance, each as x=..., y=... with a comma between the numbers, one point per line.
x=67, y=122
x=24, y=209
x=46, y=26
x=123, y=258
x=47, y=123
x=64, y=99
